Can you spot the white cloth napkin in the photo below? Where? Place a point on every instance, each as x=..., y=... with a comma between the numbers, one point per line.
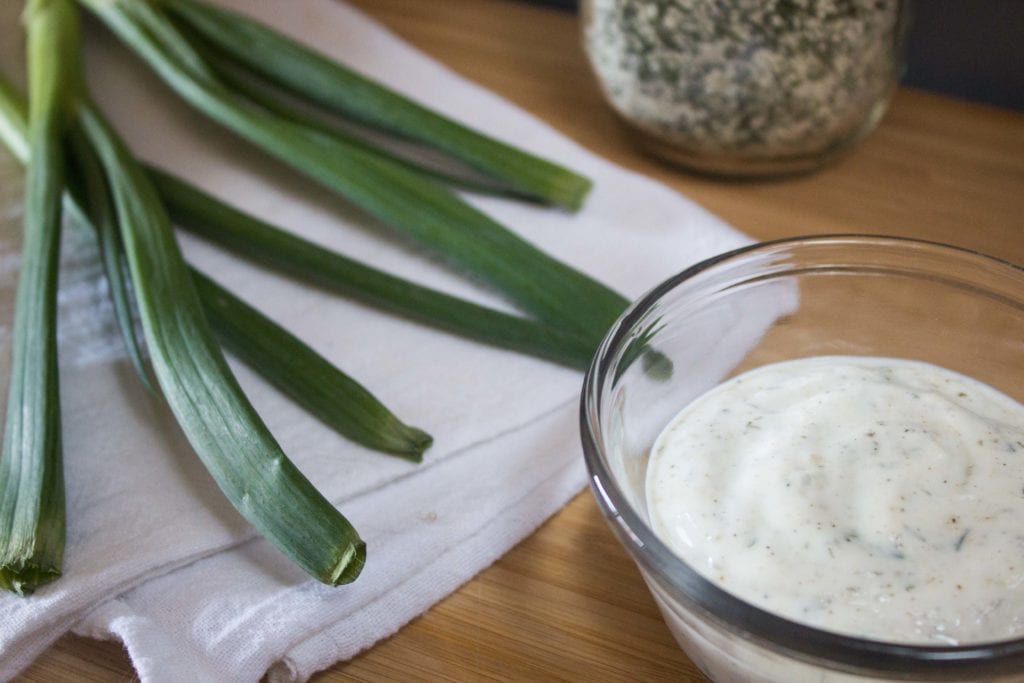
x=155, y=557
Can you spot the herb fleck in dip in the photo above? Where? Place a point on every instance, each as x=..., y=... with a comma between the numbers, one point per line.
x=759, y=80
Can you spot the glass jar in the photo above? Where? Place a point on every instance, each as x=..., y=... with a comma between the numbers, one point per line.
x=747, y=87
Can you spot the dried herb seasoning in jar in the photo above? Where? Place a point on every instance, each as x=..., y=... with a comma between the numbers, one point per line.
x=747, y=87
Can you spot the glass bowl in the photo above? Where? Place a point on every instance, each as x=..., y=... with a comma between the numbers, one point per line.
x=771, y=302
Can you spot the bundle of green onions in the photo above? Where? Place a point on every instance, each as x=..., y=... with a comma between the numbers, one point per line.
x=219, y=62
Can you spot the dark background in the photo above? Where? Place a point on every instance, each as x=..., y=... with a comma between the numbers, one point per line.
x=973, y=49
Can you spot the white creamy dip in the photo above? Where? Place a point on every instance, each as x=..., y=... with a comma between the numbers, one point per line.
x=878, y=497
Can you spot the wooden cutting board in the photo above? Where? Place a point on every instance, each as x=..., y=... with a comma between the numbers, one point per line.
x=567, y=603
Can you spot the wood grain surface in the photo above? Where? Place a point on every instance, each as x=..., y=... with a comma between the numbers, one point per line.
x=567, y=604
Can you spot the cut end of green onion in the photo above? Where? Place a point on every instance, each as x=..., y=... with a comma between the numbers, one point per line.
x=349, y=566
x=407, y=442
x=571, y=191
x=24, y=577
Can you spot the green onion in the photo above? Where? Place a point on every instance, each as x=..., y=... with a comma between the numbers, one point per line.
x=13, y=121
x=407, y=200
x=307, y=74
x=303, y=260
x=309, y=379
x=97, y=204
x=247, y=86
x=297, y=370
x=221, y=425
x=32, y=515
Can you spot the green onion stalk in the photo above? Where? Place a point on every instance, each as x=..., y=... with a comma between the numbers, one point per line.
x=305, y=376
x=32, y=514
x=89, y=183
x=213, y=412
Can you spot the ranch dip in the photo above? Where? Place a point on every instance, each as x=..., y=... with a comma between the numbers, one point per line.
x=876, y=497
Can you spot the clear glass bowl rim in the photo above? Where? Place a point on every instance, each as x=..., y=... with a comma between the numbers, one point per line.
x=807, y=643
